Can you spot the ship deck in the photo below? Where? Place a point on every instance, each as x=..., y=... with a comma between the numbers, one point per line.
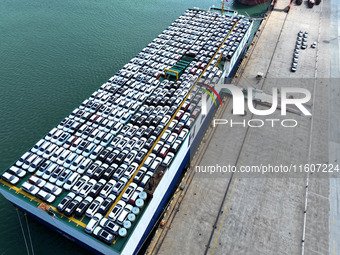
x=216, y=53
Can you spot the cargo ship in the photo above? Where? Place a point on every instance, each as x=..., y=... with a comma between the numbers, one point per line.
x=104, y=174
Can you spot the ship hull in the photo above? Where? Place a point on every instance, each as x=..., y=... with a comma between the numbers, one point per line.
x=252, y=2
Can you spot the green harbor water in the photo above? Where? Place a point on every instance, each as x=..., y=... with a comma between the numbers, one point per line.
x=53, y=55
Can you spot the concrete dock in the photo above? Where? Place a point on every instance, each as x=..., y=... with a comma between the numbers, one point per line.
x=251, y=214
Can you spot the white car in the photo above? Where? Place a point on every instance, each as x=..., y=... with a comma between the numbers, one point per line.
x=63, y=157
x=49, y=151
x=120, y=171
x=84, y=165
x=55, y=175
x=113, y=215
x=63, y=177
x=119, y=186
x=130, y=170
x=30, y=188
x=85, y=190
x=165, y=135
x=35, y=164
x=71, y=181
x=53, y=189
x=69, y=142
x=183, y=134
x=109, y=225
x=69, y=160
x=76, y=163
x=36, y=147
x=93, y=223
x=56, y=135
x=17, y=171
x=149, y=160
x=81, y=130
x=168, y=159
x=94, y=207
x=42, y=148
x=20, y=162
x=93, y=135
x=93, y=168
x=10, y=178
x=107, y=188
x=96, y=152
x=106, y=140
x=129, y=191
x=43, y=195
x=28, y=161
x=89, y=149
x=75, y=145
x=47, y=174
x=44, y=167
x=124, y=213
x=50, y=134
x=56, y=154
x=99, y=137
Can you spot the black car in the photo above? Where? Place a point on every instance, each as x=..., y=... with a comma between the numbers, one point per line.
x=156, y=121
x=69, y=210
x=104, y=154
x=109, y=172
x=172, y=111
x=82, y=207
x=158, y=130
x=141, y=120
x=96, y=189
x=134, y=118
x=111, y=158
x=149, y=120
x=98, y=173
x=140, y=156
x=105, y=206
x=148, y=132
x=120, y=158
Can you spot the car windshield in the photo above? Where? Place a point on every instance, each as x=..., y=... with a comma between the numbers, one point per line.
x=93, y=206
x=81, y=206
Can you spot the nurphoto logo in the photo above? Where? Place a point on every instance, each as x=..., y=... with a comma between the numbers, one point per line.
x=240, y=95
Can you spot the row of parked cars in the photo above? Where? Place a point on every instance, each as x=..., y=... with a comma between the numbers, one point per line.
x=301, y=43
